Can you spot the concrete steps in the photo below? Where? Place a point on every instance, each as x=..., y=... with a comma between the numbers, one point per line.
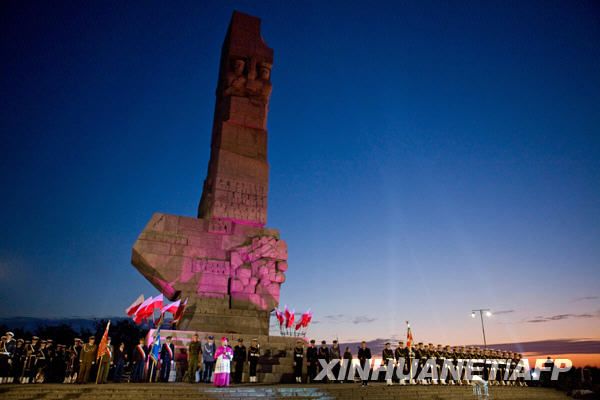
x=183, y=391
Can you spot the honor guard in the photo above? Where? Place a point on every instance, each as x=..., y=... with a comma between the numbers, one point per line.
x=194, y=351
x=364, y=357
x=298, y=360
x=323, y=354
x=311, y=361
x=253, y=356
x=239, y=360
x=388, y=359
x=104, y=363
x=334, y=354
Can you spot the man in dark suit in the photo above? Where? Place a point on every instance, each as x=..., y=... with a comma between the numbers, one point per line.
x=139, y=360
x=167, y=352
x=239, y=359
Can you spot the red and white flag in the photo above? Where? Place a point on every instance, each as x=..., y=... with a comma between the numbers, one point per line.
x=290, y=319
x=134, y=306
x=171, y=308
x=409, y=337
x=143, y=311
x=157, y=302
x=179, y=313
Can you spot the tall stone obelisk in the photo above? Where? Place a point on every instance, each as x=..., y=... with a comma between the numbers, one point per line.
x=225, y=262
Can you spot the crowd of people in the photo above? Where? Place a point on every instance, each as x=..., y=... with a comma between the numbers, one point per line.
x=39, y=361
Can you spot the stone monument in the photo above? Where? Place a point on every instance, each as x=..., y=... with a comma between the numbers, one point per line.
x=225, y=262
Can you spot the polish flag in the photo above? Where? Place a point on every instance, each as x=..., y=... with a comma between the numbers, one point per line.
x=179, y=312
x=157, y=302
x=134, y=306
x=290, y=319
x=171, y=308
x=143, y=311
x=279, y=316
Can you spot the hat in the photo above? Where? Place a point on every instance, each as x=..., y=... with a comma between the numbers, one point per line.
x=387, y=343
x=35, y=338
x=240, y=340
x=323, y=342
x=77, y=339
x=20, y=340
x=92, y=338
x=312, y=341
x=10, y=334
x=211, y=337
x=335, y=341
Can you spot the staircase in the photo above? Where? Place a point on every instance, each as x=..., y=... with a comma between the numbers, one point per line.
x=183, y=391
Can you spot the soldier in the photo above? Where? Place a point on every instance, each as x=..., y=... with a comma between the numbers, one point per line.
x=139, y=361
x=298, y=359
x=364, y=357
x=59, y=364
x=323, y=354
x=348, y=362
x=167, y=353
x=400, y=353
x=87, y=359
x=208, y=359
x=194, y=350
x=17, y=361
x=11, y=345
x=72, y=355
x=253, y=356
x=4, y=360
x=334, y=354
x=239, y=359
x=387, y=359
x=311, y=361
x=106, y=361
x=40, y=362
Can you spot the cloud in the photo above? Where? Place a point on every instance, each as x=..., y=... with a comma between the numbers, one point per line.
x=559, y=317
x=584, y=298
x=336, y=317
x=552, y=346
x=363, y=319
x=501, y=312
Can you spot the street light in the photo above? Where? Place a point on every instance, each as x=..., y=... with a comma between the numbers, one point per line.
x=488, y=313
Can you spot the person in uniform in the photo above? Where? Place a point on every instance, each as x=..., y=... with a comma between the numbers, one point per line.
x=208, y=359
x=253, y=356
x=364, y=357
x=17, y=361
x=387, y=360
x=194, y=350
x=11, y=345
x=348, y=362
x=105, y=362
x=311, y=361
x=4, y=360
x=335, y=354
x=323, y=354
x=167, y=352
x=40, y=362
x=87, y=359
x=72, y=355
x=140, y=353
x=401, y=353
x=239, y=360
x=298, y=360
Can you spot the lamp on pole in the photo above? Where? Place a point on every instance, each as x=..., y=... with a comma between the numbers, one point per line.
x=488, y=313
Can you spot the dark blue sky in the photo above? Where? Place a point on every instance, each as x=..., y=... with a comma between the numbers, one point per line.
x=426, y=157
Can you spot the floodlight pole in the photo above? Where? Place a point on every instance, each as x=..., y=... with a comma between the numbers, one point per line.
x=480, y=311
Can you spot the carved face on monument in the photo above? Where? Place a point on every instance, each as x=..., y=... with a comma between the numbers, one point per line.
x=238, y=66
x=264, y=72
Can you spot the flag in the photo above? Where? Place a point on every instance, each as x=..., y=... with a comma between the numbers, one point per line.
x=409, y=336
x=157, y=302
x=290, y=319
x=179, y=313
x=279, y=316
x=171, y=308
x=143, y=311
x=154, y=354
x=103, y=346
x=134, y=306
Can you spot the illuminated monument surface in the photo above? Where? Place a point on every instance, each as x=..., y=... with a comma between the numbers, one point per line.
x=225, y=262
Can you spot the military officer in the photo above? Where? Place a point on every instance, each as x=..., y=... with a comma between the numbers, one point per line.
x=311, y=361
x=387, y=359
x=298, y=360
x=105, y=361
x=239, y=358
x=364, y=357
x=87, y=359
x=253, y=356
x=334, y=354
